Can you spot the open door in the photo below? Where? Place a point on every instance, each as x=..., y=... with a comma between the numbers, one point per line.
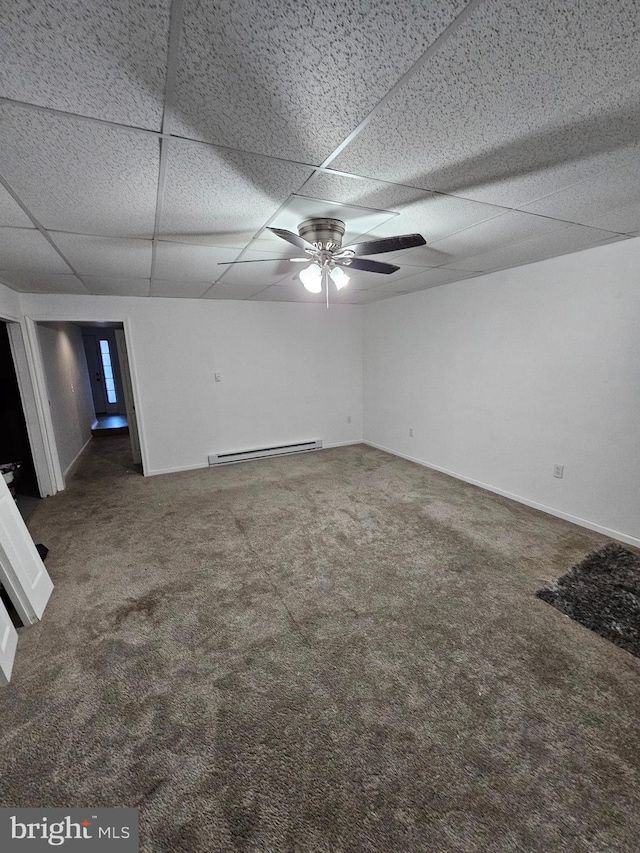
x=22, y=572
x=127, y=391
x=8, y=643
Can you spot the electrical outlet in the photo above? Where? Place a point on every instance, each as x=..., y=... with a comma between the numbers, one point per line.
x=348, y=419
x=410, y=432
x=558, y=471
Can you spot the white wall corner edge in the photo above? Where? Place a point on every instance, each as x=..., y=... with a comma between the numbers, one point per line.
x=71, y=467
x=565, y=516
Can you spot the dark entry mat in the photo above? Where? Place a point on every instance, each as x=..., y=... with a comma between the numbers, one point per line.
x=603, y=593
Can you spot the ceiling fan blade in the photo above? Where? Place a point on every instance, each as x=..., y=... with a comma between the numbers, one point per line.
x=292, y=238
x=260, y=261
x=386, y=244
x=366, y=265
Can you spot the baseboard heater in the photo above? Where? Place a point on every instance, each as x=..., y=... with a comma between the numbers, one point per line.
x=264, y=452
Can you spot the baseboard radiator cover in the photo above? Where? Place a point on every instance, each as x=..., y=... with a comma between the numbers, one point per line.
x=264, y=452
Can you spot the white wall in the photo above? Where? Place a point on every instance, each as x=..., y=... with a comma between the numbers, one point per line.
x=290, y=372
x=68, y=389
x=504, y=375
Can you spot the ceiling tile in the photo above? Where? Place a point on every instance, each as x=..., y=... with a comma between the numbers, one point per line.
x=488, y=107
x=625, y=221
x=43, y=282
x=175, y=261
x=295, y=77
x=432, y=278
x=222, y=197
x=366, y=280
x=104, y=59
x=26, y=250
x=493, y=234
x=78, y=176
x=260, y=274
x=365, y=192
x=105, y=256
x=11, y=213
x=435, y=217
x=183, y=289
x=233, y=290
x=289, y=293
x=112, y=286
x=592, y=198
x=570, y=239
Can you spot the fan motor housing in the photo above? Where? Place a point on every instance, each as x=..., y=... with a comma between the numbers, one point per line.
x=325, y=234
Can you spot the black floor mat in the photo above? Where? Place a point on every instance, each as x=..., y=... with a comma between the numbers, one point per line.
x=603, y=593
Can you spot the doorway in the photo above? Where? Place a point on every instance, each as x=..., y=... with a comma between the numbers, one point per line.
x=111, y=387
x=104, y=371
x=16, y=458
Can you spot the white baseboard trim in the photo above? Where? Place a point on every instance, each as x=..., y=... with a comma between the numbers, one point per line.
x=574, y=519
x=343, y=443
x=74, y=463
x=154, y=472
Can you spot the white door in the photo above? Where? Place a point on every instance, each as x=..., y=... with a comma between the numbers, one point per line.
x=22, y=572
x=127, y=390
x=94, y=365
x=8, y=643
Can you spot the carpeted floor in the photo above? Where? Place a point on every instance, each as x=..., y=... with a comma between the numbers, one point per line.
x=340, y=651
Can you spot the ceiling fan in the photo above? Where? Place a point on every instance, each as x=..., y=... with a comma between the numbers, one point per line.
x=321, y=241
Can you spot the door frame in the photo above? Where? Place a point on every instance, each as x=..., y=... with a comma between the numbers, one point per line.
x=41, y=395
x=31, y=400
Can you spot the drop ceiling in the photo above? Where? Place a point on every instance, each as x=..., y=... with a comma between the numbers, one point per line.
x=143, y=144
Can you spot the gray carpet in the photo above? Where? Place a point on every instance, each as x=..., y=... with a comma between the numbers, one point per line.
x=340, y=651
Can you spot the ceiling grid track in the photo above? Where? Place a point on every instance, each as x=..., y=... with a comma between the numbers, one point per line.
x=43, y=231
x=170, y=50
x=175, y=33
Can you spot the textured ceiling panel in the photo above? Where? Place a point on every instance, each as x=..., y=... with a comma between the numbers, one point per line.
x=523, y=105
x=11, y=213
x=217, y=195
x=289, y=293
x=437, y=216
x=78, y=176
x=493, y=234
x=110, y=286
x=482, y=109
x=366, y=280
x=625, y=221
x=103, y=59
x=26, y=250
x=198, y=263
x=105, y=256
x=184, y=289
x=258, y=274
x=350, y=189
x=234, y=290
x=293, y=78
x=589, y=199
x=429, y=278
x=43, y=282
x=561, y=242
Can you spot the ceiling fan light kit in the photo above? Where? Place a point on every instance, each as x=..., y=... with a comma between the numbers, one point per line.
x=321, y=241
